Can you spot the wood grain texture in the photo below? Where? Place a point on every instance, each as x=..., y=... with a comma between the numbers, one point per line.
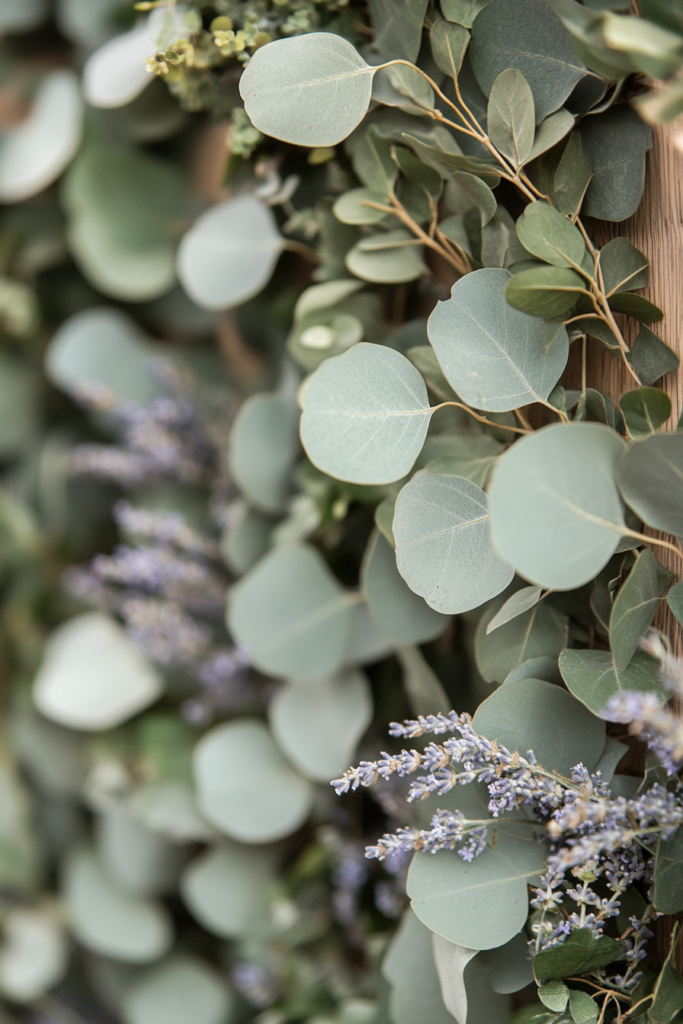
x=657, y=230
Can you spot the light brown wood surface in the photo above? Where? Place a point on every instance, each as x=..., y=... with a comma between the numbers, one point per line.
x=657, y=230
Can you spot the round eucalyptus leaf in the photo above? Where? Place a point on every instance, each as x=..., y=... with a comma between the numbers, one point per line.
x=529, y=36
x=544, y=291
x=246, y=787
x=123, y=205
x=246, y=538
x=182, y=988
x=170, y=808
x=593, y=677
x=398, y=611
x=409, y=968
x=92, y=676
x=22, y=15
x=443, y=543
x=482, y=904
x=545, y=233
x=107, y=919
x=556, y=514
x=102, y=348
x=291, y=614
x=318, y=724
x=263, y=442
x=87, y=23
x=392, y=257
x=365, y=415
x=651, y=481
x=226, y=889
x=33, y=155
x=494, y=356
x=116, y=73
x=311, y=90
x=366, y=643
x=352, y=208
x=539, y=716
x=34, y=954
x=230, y=253
x=538, y=634
x=141, y=860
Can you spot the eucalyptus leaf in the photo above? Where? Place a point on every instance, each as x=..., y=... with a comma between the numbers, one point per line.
x=593, y=677
x=539, y=633
x=246, y=538
x=526, y=35
x=668, y=876
x=227, y=890
x=511, y=117
x=389, y=258
x=34, y=954
x=481, y=904
x=466, y=988
x=352, y=207
x=398, y=24
x=466, y=453
x=263, y=444
x=443, y=543
x=579, y=954
x=572, y=176
x=410, y=969
x=645, y=410
x=636, y=306
x=623, y=266
x=116, y=74
x=543, y=667
x=650, y=357
x=365, y=415
x=520, y=602
x=675, y=601
x=539, y=716
x=102, y=348
x=310, y=90
x=291, y=615
x=635, y=606
x=268, y=802
x=319, y=724
x=449, y=44
x=397, y=610
x=496, y=358
x=584, y=1009
x=230, y=253
x=550, y=236
x=554, y=995
x=23, y=15
x=35, y=153
x=651, y=481
x=463, y=11
x=107, y=919
x=545, y=292
x=551, y=131
x=421, y=684
x=556, y=514
x=92, y=676
x=171, y=992
x=140, y=859
x=616, y=143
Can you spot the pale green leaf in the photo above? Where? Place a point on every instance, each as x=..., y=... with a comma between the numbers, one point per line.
x=526, y=35
x=365, y=415
x=449, y=44
x=668, y=879
x=143, y=861
x=291, y=614
x=227, y=888
x=410, y=970
x=398, y=27
x=551, y=237
x=246, y=537
x=645, y=410
x=593, y=677
x=616, y=143
x=263, y=443
x=539, y=633
x=420, y=682
x=92, y=676
x=651, y=481
x=650, y=357
x=181, y=988
x=398, y=611
x=352, y=207
x=495, y=357
x=539, y=716
x=463, y=11
x=520, y=602
x=34, y=954
x=545, y=292
x=443, y=543
x=310, y=90
x=466, y=988
x=511, y=118
x=551, y=131
x=556, y=514
x=229, y=254
x=245, y=786
x=35, y=153
x=388, y=258
x=319, y=724
x=107, y=919
x=635, y=606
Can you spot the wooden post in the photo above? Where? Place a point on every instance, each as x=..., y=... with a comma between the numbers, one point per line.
x=657, y=230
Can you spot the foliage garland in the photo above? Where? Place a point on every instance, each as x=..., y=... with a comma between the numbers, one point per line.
x=499, y=496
